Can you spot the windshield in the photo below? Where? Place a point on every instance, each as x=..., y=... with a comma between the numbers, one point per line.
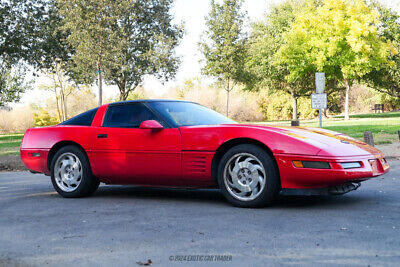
x=188, y=114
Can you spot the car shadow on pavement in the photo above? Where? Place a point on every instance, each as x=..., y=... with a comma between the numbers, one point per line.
x=137, y=192
x=215, y=196
x=318, y=201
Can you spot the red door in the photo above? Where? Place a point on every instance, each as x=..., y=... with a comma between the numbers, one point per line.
x=123, y=153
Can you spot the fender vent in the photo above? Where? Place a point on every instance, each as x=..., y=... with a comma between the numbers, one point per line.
x=195, y=164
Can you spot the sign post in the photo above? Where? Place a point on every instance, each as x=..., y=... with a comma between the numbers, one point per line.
x=319, y=100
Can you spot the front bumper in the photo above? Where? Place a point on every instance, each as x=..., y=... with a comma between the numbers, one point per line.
x=303, y=178
x=333, y=190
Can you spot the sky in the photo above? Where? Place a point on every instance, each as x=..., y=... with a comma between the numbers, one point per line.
x=192, y=14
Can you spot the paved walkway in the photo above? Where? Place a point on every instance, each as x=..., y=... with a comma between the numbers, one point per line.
x=391, y=151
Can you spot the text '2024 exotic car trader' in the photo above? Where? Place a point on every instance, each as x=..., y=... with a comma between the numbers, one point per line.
x=183, y=144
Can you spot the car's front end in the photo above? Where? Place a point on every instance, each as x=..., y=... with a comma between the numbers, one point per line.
x=340, y=165
x=327, y=173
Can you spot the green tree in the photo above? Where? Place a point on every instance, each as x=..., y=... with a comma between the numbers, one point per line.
x=50, y=49
x=338, y=37
x=266, y=39
x=225, y=46
x=16, y=21
x=92, y=25
x=17, y=25
x=149, y=39
x=30, y=32
x=387, y=80
x=122, y=40
x=12, y=82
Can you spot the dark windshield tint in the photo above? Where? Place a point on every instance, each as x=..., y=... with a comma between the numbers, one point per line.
x=188, y=114
x=83, y=119
x=127, y=115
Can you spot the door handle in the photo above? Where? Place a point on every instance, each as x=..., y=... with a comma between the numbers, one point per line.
x=102, y=136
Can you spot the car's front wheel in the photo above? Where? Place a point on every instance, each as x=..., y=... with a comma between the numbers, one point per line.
x=248, y=176
x=71, y=174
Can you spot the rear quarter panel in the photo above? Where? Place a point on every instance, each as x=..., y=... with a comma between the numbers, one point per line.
x=39, y=141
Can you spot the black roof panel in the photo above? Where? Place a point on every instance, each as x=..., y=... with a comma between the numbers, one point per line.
x=148, y=100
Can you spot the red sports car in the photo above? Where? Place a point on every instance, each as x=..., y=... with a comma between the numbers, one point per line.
x=183, y=144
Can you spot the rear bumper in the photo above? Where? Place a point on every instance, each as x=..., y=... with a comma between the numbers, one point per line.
x=303, y=178
x=35, y=159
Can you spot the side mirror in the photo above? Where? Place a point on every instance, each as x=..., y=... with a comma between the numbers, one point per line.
x=151, y=124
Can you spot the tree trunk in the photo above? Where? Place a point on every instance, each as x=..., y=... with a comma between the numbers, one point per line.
x=62, y=103
x=100, y=79
x=227, y=102
x=58, y=107
x=60, y=83
x=346, y=102
x=294, y=115
x=62, y=99
x=65, y=108
x=228, y=89
x=122, y=91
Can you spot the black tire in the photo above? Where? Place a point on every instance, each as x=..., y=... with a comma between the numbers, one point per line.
x=272, y=186
x=88, y=183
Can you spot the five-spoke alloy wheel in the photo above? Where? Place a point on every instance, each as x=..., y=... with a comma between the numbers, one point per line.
x=244, y=176
x=71, y=174
x=68, y=172
x=248, y=176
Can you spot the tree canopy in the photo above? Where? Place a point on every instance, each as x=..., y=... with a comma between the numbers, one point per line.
x=17, y=26
x=263, y=60
x=124, y=39
x=12, y=82
x=224, y=46
x=387, y=79
x=338, y=37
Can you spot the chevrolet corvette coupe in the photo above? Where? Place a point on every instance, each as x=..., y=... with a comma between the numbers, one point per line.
x=180, y=144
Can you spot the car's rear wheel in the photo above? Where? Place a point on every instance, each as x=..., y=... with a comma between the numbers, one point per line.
x=71, y=174
x=248, y=176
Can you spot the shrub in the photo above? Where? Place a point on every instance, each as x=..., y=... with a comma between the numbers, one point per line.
x=304, y=108
x=279, y=106
x=363, y=98
x=43, y=118
x=275, y=106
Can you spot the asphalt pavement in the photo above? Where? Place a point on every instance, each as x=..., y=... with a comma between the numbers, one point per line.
x=128, y=226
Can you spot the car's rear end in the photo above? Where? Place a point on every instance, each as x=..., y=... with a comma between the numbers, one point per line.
x=33, y=154
x=39, y=144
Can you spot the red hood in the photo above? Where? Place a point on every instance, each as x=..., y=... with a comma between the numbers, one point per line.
x=330, y=142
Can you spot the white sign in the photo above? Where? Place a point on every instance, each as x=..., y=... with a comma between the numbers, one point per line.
x=318, y=101
x=320, y=82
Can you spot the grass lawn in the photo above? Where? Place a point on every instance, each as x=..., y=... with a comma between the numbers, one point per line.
x=384, y=127
x=9, y=144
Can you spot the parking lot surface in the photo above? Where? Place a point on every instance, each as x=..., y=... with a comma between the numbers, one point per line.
x=127, y=226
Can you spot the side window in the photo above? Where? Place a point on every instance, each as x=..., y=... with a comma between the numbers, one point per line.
x=127, y=115
x=84, y=119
